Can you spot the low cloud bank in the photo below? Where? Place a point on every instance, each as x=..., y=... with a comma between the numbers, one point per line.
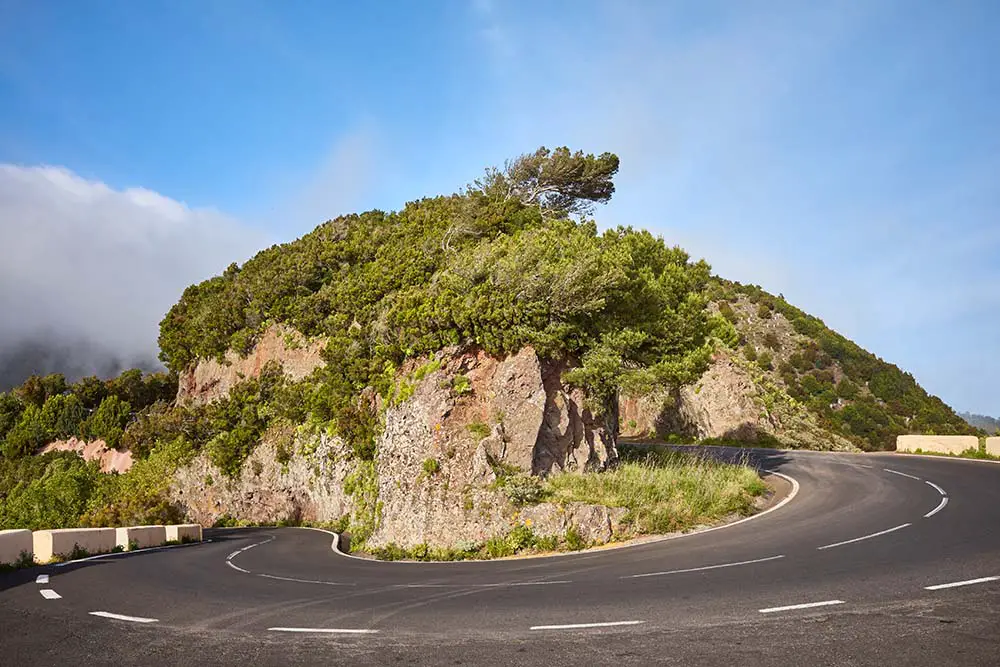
x=87, y=271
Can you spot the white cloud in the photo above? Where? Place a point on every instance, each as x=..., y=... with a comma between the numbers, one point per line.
x=81, y=261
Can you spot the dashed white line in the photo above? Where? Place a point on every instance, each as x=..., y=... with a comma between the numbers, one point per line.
x=498, y=585
x=939, y=489
x=956, y=584
x=807, y=605
x=340, y=631
x=237, y=567
x=700, y=569
x=864, y=537
x=582, y=626
x=903, y=474
x=49, y=594
x=122, y=617
x=944, y=501
x=301, y=581
x=42, y=579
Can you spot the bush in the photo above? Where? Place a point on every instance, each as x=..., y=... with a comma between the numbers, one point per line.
x=479, y=430
x=461, y=385
x=764, y=312
x=108, y=421
x=771, y=341
x=431, y=466
x=522, y=489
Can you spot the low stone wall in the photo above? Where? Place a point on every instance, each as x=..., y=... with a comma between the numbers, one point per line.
x=190, y=532
x=141, y=537
x=941, y=444
x=50, y=543
x=993, y=446
x=13, y=543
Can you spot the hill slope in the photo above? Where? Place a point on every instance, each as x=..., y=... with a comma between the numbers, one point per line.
x=412, y=374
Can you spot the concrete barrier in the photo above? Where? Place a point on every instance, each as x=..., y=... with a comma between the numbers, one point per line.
x=993, y=446
x=50, y=543
x=942, y=444
x=187, y=532
x=141, y=537
x=14, y=543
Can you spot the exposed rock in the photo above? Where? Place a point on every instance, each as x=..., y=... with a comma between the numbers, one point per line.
x=727, y=402
x=440, y=451
x=209, y=380
x=722, y=404
x=595, y=523
x=111, y=460
x=309, y=487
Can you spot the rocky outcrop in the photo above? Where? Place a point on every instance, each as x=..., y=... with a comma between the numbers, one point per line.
x=308, y=486
x=456, y=427
x=728, y=402
x=724, y=403
x=110, y=460
x=210, y=379
x=472, y=417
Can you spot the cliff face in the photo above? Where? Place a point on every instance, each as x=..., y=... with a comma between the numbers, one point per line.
x=459, y=425
x=443, y=449
x=208, y=379
x=742, y=396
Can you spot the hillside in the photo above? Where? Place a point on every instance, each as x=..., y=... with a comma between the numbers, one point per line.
x=983, y=422
x=413, y=375
x=789, y=380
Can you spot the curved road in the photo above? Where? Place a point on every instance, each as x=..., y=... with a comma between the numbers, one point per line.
x=878, y=559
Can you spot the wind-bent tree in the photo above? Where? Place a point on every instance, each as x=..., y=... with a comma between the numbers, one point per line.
x=558, y=182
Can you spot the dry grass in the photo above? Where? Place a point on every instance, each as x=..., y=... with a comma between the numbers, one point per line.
x=665, y=491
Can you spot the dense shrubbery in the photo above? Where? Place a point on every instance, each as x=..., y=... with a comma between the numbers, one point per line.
x=500, y=266
x=874, y=403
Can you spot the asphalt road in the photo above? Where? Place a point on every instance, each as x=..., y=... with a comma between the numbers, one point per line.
x=837, y=576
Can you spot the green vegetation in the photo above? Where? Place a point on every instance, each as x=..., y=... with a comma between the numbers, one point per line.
x=873, y=402
x=970, y=453
x=501, y=265
x=664, y=491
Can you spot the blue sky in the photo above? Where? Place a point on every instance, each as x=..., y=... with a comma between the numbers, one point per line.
x=845, y=154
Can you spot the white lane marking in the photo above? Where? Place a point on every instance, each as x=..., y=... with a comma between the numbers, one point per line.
x=302, y=581
x=865, y=537
x=903, y=474
x=500, y=585
x=42, y=579
x=956, y=584
x=939, y=489
x=807, y=605
x=116, y=554
x=230, y=557
x=664, y=538
x=944, y=501
x=580, y=626
x=700, y=569
x=342, y=631
x=122, y=617
x=49, y=594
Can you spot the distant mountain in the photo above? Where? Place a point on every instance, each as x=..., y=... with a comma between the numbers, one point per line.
x=989, y=424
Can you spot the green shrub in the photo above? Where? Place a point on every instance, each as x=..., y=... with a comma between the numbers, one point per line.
x=479, y=430
x=461, y=385
x=431, y=466
x=523, y=489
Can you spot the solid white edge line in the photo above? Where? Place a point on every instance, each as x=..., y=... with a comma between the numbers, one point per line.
x=581, y=626
x=122, y=617
x=700, y=569
x=341, y=631
x=335, y=545
x=938, y=488
x=42, y=579
x=237, y=567
x=49, y=594
x=956, y=584
x=903, y=474
x=864, y=537
x=115, y=554
x=807, y=605
x=944, y=501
